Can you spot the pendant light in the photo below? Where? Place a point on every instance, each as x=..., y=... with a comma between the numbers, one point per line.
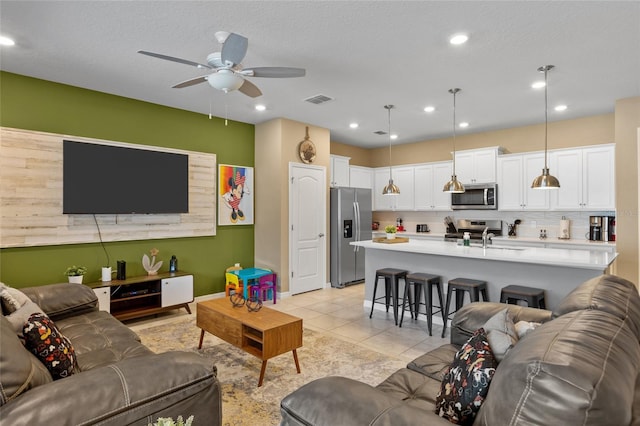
x=454, y=185
x=391, y=188
x=545, y=180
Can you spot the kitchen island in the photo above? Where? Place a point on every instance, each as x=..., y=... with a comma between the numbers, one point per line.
x=557, y=271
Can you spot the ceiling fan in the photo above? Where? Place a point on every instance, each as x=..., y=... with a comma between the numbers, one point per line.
x=228, y=73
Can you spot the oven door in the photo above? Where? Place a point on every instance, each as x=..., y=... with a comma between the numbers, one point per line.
x=476, y=197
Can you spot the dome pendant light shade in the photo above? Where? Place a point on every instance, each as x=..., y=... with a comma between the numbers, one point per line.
x=545, y=180
x=454, y=185
x=391, y=188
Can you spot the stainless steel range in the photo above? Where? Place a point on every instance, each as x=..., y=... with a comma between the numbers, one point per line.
x=475, y=228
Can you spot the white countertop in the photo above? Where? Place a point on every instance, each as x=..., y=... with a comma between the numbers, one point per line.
x=583, y=259
x=571, y=241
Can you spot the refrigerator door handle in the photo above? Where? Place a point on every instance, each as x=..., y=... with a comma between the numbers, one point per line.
x=356, y=215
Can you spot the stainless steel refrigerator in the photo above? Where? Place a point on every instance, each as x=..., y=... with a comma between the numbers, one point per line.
x=350, y=221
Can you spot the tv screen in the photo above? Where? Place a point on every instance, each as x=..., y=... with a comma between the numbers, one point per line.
x=104, y=179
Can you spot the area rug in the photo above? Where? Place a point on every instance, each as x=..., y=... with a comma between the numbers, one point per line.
x=243, y=403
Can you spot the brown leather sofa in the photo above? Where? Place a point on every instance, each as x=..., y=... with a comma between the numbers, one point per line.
x=120, y=381
x=580, y=367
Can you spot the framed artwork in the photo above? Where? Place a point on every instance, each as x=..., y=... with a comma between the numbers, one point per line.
x=235, y=195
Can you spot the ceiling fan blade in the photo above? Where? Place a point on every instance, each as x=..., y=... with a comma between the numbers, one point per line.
x=250, y=89
x=276, y=72
x=190, y=82
x=172, y=59
x=234, y=49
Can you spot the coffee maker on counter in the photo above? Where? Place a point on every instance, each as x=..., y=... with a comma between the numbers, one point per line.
x=602, y=228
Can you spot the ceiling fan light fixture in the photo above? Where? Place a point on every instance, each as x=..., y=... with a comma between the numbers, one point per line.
x=225, y=80
x=545, y=180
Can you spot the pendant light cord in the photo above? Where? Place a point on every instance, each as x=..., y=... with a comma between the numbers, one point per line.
x=454, y=131
x=389, y=119
x=546, y=115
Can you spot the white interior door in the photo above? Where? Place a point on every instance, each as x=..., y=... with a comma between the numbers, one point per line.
x=307, y=225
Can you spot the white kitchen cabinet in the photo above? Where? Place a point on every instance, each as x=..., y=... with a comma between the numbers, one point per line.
x=339, y=170
x=515, y=175
x=428, y=182
x=104, y=298
x=587, y=178
x=477, y=165
x=360, y=177
x=403, y=179
x=177, y=290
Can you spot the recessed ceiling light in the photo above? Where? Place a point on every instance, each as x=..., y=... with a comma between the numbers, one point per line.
x=260, y=107
x=538, y=85
x=353, y=125
x=429, y=109
x=561, y=108
x=394, y=136
x=464, y=124
x=458, y=39
x=6, y=41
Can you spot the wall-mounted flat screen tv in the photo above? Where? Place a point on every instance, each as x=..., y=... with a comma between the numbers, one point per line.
x=105, y=179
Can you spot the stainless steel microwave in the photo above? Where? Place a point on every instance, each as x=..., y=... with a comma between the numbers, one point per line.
x=482, y=196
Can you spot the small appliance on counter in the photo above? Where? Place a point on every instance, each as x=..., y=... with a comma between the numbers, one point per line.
x=474, y=228
x=565, y=232
x=422, y=227
x=602, y=228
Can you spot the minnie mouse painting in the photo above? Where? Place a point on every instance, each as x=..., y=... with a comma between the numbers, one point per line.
x=233, y=186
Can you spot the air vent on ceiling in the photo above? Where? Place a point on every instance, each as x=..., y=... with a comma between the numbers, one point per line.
x=318, y=99
x=380, y=132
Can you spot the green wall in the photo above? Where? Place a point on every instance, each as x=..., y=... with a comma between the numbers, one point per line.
x=33, y=104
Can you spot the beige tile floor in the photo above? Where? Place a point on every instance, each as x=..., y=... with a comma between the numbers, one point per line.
x=340, y=313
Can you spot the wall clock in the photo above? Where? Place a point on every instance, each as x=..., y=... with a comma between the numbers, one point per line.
x=306, y=149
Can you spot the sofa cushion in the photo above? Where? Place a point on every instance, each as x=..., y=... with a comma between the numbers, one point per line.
x=466, y=384
x=43, y=339
x=607, y=293
x=580, y=367
x=435, y=363
x=99, y=339
x=501, y=333
x=20, y=370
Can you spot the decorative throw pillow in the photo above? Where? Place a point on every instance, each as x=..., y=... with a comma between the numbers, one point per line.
x=45, y=341
x=501, y=333
x=466, y=383
x=11, y=298
x=19, y=317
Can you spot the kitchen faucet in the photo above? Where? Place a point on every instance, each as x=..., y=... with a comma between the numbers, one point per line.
x=486, y=237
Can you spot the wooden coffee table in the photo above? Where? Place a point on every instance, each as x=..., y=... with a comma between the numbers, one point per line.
x=265, y=334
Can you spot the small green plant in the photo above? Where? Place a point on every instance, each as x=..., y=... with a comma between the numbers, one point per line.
x=390, y=229
x=75, y=271
x=168, y=421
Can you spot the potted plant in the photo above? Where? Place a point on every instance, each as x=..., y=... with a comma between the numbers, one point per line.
x=391, y=231
x=75, y=273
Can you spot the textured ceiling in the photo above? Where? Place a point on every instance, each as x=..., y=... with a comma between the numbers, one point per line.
x=364, y=54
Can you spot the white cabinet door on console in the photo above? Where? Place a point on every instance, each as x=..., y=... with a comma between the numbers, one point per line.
x=177, y=290
x=104, y=298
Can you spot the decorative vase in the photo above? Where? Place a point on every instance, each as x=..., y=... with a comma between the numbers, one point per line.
x=391, y=235
x=75, y=279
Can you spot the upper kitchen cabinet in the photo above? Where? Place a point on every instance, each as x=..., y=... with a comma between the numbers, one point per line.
x=515, y=174
x=403, y=178
x=339, y=170
x=428, y=182
x=587, y=178
x=477, y=165
x=360, y=177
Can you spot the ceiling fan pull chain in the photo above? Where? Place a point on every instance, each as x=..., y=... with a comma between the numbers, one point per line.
x=210, y=101
x=226, y=113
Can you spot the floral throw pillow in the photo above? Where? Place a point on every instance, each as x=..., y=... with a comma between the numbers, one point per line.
x=466, y=382
x=44, y=340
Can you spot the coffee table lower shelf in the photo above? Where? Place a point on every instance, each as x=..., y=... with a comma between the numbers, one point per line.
x=264, y=334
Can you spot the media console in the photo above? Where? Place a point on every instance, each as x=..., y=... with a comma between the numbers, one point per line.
x=144, y=295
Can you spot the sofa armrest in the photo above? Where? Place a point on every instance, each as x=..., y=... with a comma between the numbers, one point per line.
x=473, y=316
x=137, y=389
x=63, y=300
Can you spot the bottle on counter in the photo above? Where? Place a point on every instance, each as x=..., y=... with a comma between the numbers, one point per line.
x=173, y=264
x=466, y=238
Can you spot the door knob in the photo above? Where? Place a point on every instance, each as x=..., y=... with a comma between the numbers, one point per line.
x=321, y=235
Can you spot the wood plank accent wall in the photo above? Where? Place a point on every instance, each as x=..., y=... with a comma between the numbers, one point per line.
x=31, y=195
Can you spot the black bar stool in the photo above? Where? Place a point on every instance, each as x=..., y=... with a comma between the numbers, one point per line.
x=533, y=296
x=460, y=285
x=418, y=281
x=392, y=278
